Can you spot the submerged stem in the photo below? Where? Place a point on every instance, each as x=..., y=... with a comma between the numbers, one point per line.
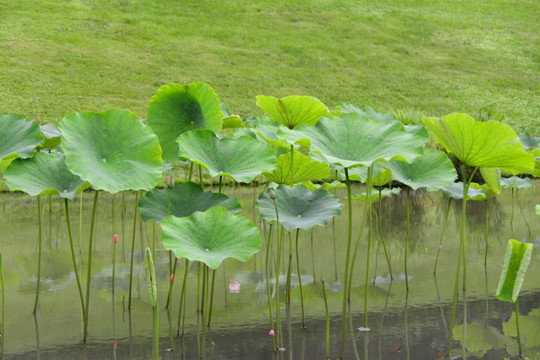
x=3, y=318
x=382, y=236
x=300, y=279
x=327, y=354
x=89, y=271
x=442, y=235
x=517, y=328
x=370, y=226
x=39, y=255
x=278, y=263
x=180, y=307
x=132, y=248
x=268, y=293
x=407, y=239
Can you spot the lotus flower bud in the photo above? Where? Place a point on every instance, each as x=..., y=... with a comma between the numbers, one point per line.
x=170, y=182
x=115, y=238
x=272, y=194
x=172, y=277
x=271, y=332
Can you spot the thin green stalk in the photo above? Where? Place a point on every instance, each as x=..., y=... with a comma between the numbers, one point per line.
x=204, y=290
x=300, y=279
x=132, y=248
x=289, y=272
x=156, y=332
x=198, y=285
x=89, y=271
x=268, y=293
x=517, y=328
x=204, y=295
x=190, y=172
x=220, y=183
x=368, y=255
x=278, y=263
x=3, y=327
x=200, y=177
x=327, y=357
x=39, y=255
x=49, y=201
x=180, y=307
x=292, y=165
x=66, y=205
x=442, y=235
x=512, y=215
x=382, y=236
x=211, y=297
x=485, y=258
x=407, y=238
x=346, y=281
x=169, y=312
x=356, y=247
x=172, y=274
x=153, y=239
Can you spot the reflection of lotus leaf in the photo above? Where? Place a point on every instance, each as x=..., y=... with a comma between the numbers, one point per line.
x=529, y=326
x=481, y=338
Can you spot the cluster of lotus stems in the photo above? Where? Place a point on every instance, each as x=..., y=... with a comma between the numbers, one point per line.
x=299, y=146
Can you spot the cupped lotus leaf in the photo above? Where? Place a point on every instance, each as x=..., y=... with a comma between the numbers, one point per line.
x=528, y=141
x=175, y=109
x=516, y=261
x=211, y=237
x=480, y=144
x=269, y=131
x=492, y=177
x=367, y=112
x=351, y=140
x=304, y=169
x=52, y=136
x=481, y=338
x=18, y=138
x=486, y=189
x=325, y=186
x=380, y=176
x=232, y=122
x=433, y=170
x=294, y=110
x=112, y=150
x=44, y=174
x=516, y=183
x=528, y=328
x=242, y=158
x=375, y=194
x=455, y=191
x=186, y=199
x=299, y=208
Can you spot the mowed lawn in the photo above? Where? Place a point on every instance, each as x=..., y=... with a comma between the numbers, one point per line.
x=412, y=57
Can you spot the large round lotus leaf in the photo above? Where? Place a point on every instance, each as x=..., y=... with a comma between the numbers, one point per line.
x=380, y=176
x=112, y=150
x=18, y=138
x=298, y=207
x=175, y=109
x=186, y=199
x=480, y=144
x=455, y=191
x=211, y=237
x=294, y=110
x=528, y=328
x=242, y=158
x=433, y=170
x=304, y=169
x=43, y=174
x=325, y=186
x=352, y=140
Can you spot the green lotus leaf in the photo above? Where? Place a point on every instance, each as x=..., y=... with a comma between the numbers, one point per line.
x=433, y=170
x=18, y=138
x=375, y=194
x=44, y=174
x=299, y=208
x=211, y=237
x=267, y=130
x=186, y=199
x=419, y=131
x=481, y=338
x=351, y=140
x=516, y=183
x=516, y=261
x=528, y=141
x=380, y=176
x=112, y=150
x=538, y=209
x=294, y=110
x=325, y=186
x=528, y=327
x=492, y=177
x=52, y=136
x=486, y=190
x=455, y=191
x=367, y=112
x=242, y=158
x=480, y=144
x=304, y=169
x=232, y=122
x=175, y=109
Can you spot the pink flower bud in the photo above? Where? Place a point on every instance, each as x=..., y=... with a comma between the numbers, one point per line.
x=172, y=277
x=115, y=343
x=272, y=333
x=115, y=238
x=38, y=120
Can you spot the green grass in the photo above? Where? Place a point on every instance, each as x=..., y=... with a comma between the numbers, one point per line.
x=430, y=57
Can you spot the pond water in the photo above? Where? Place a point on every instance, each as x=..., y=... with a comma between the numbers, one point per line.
x=412, y=326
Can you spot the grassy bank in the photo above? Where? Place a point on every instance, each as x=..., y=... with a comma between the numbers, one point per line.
x=430, y=57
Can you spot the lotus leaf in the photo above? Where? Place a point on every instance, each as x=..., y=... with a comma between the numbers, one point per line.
x=480, y=144
x=294, y=110
x=433, y=170
x=43, y=174
x=186, y=199
x=18, y=138
x=351, y=140
x=242, y=158
x=305, y=169
x=52, y=136
x=516, y=183
x=367, y=112
x=481, y=338
x=175, y=109
x=492, y=177
x=538, y=209
x=528, y=141
x=232, y=122
x=528, y=327
x=211, y=237
x=375, y=194
x=379, y=177
x=112, y=150
x=455, y=191
x=516, y=261
x=299, y=208
x=325, y=186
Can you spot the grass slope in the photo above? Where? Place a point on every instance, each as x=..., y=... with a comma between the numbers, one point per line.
x=432, y=57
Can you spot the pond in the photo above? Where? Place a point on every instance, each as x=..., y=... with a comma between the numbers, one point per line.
x=412, y=326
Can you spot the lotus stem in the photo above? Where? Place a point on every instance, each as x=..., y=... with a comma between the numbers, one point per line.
x=356, y=247
x=327, y=354
x=346, y=281
x=313, y=256
x=512, y=215
x=172, y=275
x=211, y=297
x=220, y=183
x=517, y=329
x=300, y=280
x=3, y=327
x=292, y=164
x=198, y=285
x=200, y=177
x=442, y=235
x=182, y=303
x=485, y=257
x=66, y=205
x=89, y=271
x=204, y=295
x=132, y=248
x=156, y=332
x=370, y=226
x=190, y=172
x=407, y=238
x=115, y=240
x=268, y=294
x=382, y=236
x=39, y=255
x=278, y=263
x=289, y=272
x=49, y=201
